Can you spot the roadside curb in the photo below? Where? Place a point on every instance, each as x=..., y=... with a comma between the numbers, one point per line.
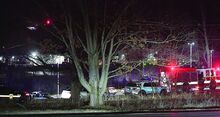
x=91, y=111
x=74, y=111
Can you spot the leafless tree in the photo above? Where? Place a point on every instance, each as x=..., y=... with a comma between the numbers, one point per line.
x=95, y=36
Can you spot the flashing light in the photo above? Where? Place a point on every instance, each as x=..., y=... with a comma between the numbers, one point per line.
x=48, y=22
x=218, y=68
x=172, y=68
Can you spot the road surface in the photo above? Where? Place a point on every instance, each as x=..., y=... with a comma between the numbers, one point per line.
x=149, y=114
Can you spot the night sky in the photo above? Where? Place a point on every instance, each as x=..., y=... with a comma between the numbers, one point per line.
x=16, y=15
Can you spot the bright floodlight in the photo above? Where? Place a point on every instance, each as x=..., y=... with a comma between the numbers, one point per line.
x=34, y=54
x=191, y=43
x=59, y=59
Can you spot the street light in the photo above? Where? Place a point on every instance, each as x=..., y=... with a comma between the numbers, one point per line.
x=34, y=57
x=191, y=44
x=34, y=54
x=211, y=52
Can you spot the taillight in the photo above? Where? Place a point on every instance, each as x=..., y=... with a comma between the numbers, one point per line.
x=197, y=88
x=26, y=94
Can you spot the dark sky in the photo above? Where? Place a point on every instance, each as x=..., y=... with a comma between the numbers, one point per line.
x=13, y=29
x=15, y=15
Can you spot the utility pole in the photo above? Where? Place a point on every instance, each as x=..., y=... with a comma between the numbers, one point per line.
x=59, y=61
x=211, y=52
x=191, y=44
x=58, y=80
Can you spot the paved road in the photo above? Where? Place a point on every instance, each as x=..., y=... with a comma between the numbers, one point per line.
x=159, y=114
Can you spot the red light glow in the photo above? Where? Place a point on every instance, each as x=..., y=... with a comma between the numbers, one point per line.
x=27, y=94
x=47, y=22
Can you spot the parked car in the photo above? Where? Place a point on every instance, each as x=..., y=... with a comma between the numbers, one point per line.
x=132, y=88
x=66, y=93
x=39, y=95
x=152, y=87
x=12, y=94
x=112, y=91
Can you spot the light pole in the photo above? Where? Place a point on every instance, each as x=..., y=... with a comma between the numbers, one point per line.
x=59, y=60
x=211, y=52
x=58, y=79
x=191, y=44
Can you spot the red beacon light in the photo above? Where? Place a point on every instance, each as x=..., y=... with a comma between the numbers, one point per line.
x=218, y=69
x=48, y=22
x=172, y=68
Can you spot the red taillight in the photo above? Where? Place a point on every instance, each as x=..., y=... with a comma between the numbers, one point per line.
x=26, y=93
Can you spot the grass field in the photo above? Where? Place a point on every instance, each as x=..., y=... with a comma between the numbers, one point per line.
x=123, y=103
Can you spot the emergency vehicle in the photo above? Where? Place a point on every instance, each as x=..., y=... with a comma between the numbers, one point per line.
x=192, y=79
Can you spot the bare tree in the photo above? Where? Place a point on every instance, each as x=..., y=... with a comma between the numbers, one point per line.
x=163, y=41
x=207, y=55
x=96, y=35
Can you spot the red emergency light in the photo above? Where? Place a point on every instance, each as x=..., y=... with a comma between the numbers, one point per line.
x=182, y=69
x=48, y=22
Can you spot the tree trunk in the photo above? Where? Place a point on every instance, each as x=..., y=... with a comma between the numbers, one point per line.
x=94, y=102
x=96, y=98
x=75, y=92
x=94, y=80
x=100, y=99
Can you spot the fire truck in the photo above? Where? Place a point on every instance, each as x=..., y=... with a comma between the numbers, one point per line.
x=193, y=79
